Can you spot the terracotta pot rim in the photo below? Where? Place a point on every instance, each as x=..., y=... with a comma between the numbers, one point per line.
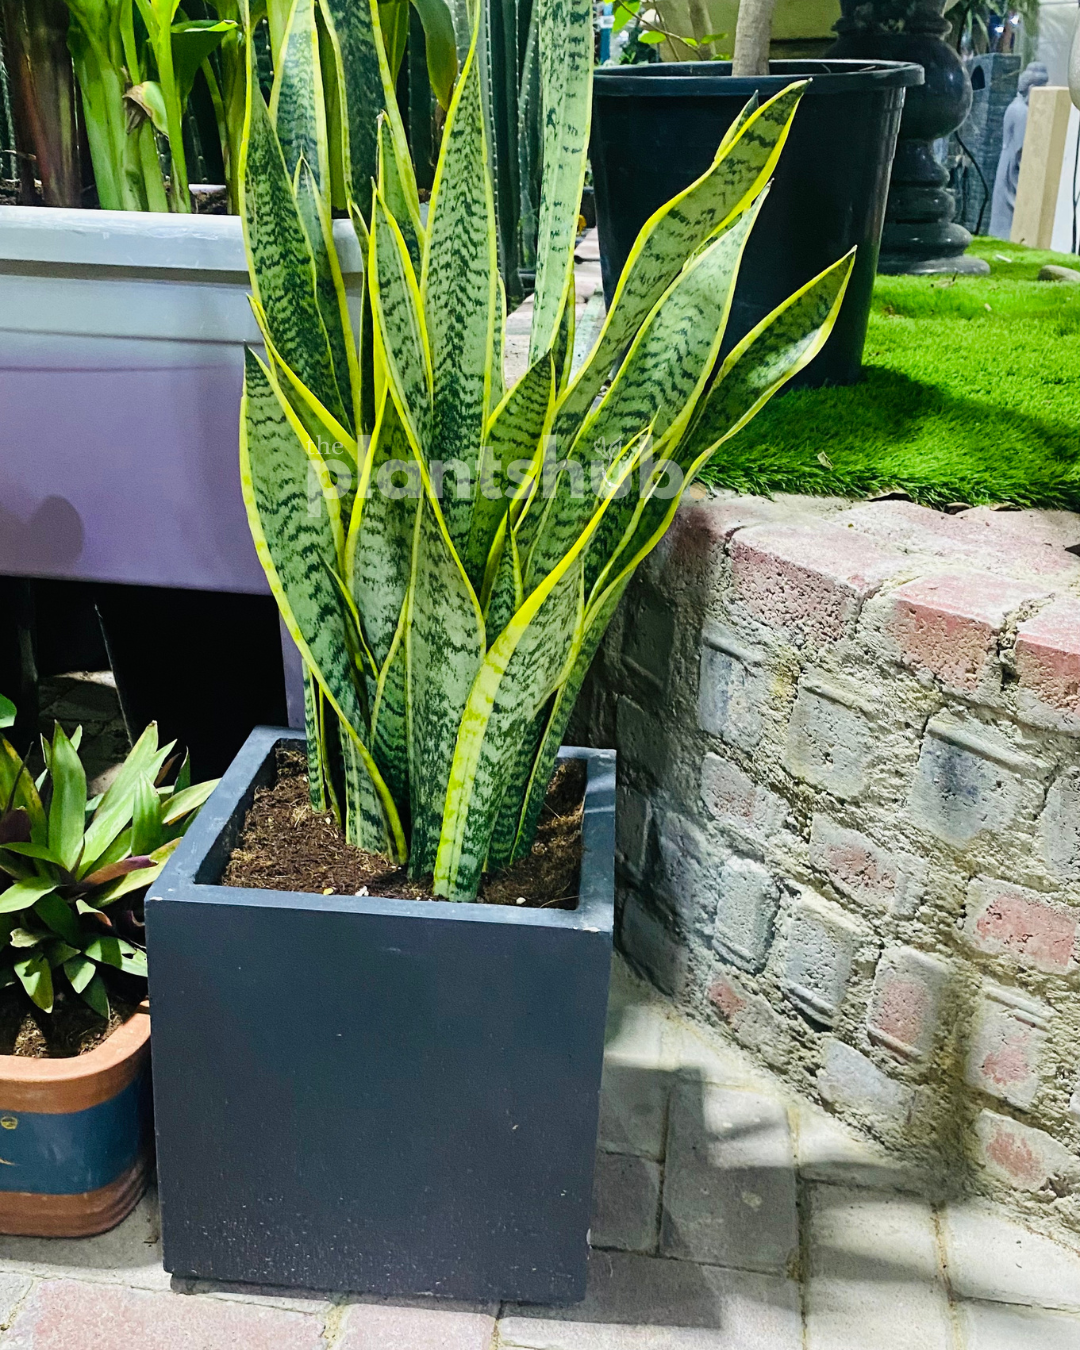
x=128, y=1041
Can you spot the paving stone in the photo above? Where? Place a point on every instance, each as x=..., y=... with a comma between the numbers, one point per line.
x=266, y=1295
x=700, y=1057
x=647, y=1303
x=995, y=1326
x=729, y=1186
x=12, y=1290
x=993, y=1259
x=634, y=1034
x=874, y=1278
x=77, y=1315
x=129, y=1254
x=384, y=1326
x=829, y=1151
x=626, y=1203
x=633, y=1109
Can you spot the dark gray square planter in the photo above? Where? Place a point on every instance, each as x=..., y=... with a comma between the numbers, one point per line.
x=395, y=1097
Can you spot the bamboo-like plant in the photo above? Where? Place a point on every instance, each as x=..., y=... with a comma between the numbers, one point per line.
x=446, y=633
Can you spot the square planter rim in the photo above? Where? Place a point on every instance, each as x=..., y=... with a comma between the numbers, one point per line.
x=199, y=857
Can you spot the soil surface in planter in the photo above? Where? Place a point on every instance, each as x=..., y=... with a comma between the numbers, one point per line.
x=72, y=1028
x=287, y=846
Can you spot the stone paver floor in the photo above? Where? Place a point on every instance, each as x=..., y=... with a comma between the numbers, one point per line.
x=728, y=1217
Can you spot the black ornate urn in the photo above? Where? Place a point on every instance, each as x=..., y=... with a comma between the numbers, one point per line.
x=920, y=234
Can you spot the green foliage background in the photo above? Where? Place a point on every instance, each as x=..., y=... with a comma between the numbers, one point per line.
x=971, y=394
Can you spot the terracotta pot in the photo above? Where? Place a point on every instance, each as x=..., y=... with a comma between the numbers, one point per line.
x=74, y=1136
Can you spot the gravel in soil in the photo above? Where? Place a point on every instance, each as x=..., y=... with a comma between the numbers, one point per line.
x=287, y=846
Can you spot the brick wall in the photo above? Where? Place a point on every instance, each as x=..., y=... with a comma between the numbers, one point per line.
x=849, y=817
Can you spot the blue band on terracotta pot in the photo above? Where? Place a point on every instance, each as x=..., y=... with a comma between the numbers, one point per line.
x=70, y=1154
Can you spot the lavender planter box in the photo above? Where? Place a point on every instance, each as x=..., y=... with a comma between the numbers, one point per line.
x=121, y=364
x=387, y=1096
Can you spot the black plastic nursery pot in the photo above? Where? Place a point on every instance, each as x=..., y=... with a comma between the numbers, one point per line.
x=384, y=1096
x=656, y=129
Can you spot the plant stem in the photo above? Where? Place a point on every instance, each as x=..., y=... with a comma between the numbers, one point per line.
x=753, y=33
x=43, y=95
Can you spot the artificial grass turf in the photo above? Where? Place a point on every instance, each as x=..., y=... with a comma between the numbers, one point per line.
x=971, y=393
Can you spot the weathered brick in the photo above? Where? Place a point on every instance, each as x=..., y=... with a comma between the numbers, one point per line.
x=849, y=1081
x=905, y=1004
x=1029, y=1159
x=746, y=908
x=808, y=580
x=968, y=783
x=830, y=741
x=688, y=875
x=733, y=686
x=640, y=740
x=920, y=530
x=861, y=868
x=72, y=1315
x=648, y=637
x=1007, y=1040
x=633, y=825
x=1008, y=920
x=737, y=801
x=384, y=1326
x=650, y=945
x=948, y=624
x=753, y=1020
x=1047, y=660
x=822, y=941
x=1059, y=827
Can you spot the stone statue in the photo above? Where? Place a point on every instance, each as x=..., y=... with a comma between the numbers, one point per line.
x=1012, y=145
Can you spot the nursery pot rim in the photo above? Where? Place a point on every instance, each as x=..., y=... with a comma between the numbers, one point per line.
x=195, y=869
x=82, y=1080
x=664, y=79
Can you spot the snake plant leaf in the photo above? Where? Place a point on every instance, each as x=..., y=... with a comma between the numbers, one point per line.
x=280, y=260
x=657, y=386
x=460, y=291
x=67, y=810
x=524, y=665
x=440, y=47
x=566, y=60
x=781, y=345
x=524, y=799
x=514, y=432
x=314, y=708
x=445, y=644
x=498, y=352
x=297, y=100
x=397, y=183
x=332, y=298
x=363, y=90
x=389, y=718
x=399, y=320
x=673, y=233
x=297, y=535
x=322, y=427
x=507, y=592
x=379, y=549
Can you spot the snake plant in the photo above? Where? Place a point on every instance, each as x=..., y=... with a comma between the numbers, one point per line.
x=445, y=552
x=73, y=867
